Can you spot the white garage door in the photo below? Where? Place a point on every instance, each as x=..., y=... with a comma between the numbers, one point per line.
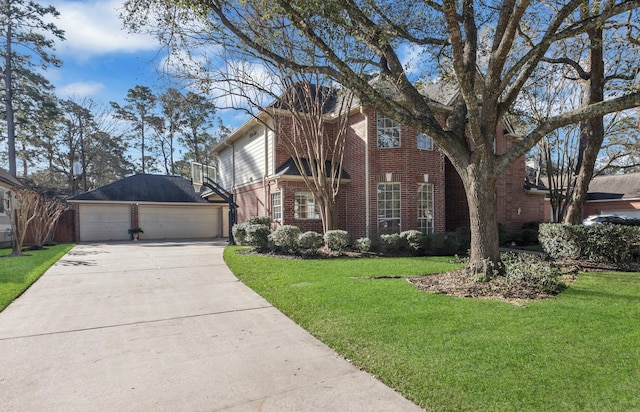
x=104, y=222
x=179, y=222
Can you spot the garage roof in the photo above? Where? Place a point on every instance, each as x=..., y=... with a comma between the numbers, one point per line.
x=145, y=188
x=606, y=187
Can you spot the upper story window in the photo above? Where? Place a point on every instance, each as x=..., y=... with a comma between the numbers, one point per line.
x=388, y=133
x=276, y=206
x=424, y=142
x=305, y=206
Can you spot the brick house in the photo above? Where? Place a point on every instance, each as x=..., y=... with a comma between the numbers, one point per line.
x=394, y=178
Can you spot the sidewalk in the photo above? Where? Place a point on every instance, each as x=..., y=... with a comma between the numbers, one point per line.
x=165, y=326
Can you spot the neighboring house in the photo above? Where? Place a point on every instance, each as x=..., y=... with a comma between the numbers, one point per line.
x=164, y=207
x=614, y=194
x=394, y=178
x=7, y=183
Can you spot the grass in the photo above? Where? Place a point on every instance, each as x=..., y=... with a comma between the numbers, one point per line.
x=18, y=273
x=578, y=351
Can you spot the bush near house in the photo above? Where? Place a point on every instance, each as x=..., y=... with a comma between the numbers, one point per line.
x=606, y=243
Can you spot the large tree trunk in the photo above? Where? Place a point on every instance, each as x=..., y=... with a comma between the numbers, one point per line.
x=484, y=255
x=591, y=133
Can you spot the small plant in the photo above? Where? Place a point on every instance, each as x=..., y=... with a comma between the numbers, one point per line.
x=258, y=236
x=414, y=240
x=310, y=241
x=363, y=245
x=393, y=244
x=337, y=240
x=286, y=238
x=239, y=232
x=135, y=232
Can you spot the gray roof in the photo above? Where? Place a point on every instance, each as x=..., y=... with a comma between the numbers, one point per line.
x=608, y=187
x=145, y=188
x=9, y=179
x=289, y=168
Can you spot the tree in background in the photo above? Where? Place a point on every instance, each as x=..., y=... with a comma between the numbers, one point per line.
x=26, y=35
x=405, y=43
x=139, y=112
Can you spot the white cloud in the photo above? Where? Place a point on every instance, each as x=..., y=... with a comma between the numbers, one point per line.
x=80, y=89
x=94, y=28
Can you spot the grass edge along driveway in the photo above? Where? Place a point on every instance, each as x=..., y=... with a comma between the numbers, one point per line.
x=578, y=351
x=18, y=273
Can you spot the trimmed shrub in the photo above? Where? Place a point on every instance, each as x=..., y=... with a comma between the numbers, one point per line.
x=533, y=270
x=259, y=220
x=257, y=236
x=285, y=238
x=239, y=232
x=560, y=241
x=336, y=240
x=393, y=244
x=600, y=243
x=414, y=240
x=310, y=241
x=363, y=245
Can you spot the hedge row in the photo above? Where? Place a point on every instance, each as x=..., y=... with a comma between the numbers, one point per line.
x=256, y=232
x=599, y=243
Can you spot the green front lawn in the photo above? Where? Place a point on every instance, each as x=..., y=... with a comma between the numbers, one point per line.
x=578, y=351
x=18, y=273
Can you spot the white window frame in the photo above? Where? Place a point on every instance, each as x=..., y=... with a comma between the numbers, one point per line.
x=424, y=142
x=276, y=206
x=426, y=203
x=309, y=202
x=388, y=132
x=3, y=201
x=389, y=201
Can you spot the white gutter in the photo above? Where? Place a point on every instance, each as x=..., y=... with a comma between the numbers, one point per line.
x=266, y=170
x=367, y=185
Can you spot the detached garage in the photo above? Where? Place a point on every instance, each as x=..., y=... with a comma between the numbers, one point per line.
x=164, y=207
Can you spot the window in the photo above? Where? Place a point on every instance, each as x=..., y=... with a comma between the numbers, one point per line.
x=305, y=206
x=425, y=208
x=388, y=207
x=276, y=206
x=388, y=133
x=2, y=201
x=424, y=142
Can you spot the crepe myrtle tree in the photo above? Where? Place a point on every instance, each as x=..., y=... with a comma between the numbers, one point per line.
x=489, y=50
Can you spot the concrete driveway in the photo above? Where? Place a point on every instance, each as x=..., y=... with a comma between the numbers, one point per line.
x=165, y=326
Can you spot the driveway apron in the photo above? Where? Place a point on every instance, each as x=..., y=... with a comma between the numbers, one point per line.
x=165, y=326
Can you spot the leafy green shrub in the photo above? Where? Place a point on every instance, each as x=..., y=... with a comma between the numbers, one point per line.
x=239, y=232
x=393, y=244
x=310, y=241
x=600, y=243
x=259, y=220
x=257, y=236
x=560, y=241
x=285, y=238
x=336, y=239
x=363, y=245
x=533, y=270
x=414, y=240
x=610, y=243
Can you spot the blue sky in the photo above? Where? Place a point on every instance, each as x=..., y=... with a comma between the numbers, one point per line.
x=101, y=59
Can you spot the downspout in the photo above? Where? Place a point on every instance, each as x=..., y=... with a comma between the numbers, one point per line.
x=266, y=170
x=367, y=184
